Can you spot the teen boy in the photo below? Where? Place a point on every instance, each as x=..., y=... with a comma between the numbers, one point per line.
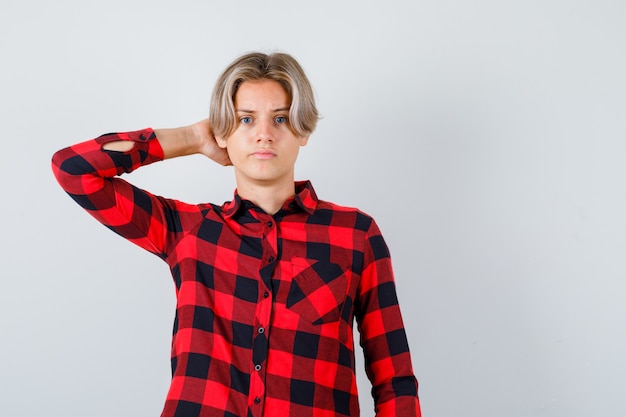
x=268, y=284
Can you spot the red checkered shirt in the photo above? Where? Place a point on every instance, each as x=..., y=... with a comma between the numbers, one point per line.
x=265, y=303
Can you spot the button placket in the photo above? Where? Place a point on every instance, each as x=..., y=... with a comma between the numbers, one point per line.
x=264, y=308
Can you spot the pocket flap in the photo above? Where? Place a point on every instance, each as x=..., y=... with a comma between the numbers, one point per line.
x=318, y=290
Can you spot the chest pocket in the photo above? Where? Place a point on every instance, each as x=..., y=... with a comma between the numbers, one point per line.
x=318, y=290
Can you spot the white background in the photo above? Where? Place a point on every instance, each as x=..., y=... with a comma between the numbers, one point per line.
x=487, y=138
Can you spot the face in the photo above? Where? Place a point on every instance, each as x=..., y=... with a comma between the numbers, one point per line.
x=263, y=148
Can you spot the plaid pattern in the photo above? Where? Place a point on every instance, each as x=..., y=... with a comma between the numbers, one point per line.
x=265, y=304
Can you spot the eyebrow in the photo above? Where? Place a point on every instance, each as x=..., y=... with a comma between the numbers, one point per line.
x=252, y=111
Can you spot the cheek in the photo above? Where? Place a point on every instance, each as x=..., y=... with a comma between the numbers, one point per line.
x=235, y=152
x=295, y=151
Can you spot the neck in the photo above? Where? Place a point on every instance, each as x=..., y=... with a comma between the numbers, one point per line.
x=269, y=197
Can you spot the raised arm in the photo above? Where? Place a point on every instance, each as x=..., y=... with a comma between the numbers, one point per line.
x=89, y=172
x=181, y=141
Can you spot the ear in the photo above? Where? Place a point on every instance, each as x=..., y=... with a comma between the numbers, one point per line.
x=304, y=140
x=221, y=142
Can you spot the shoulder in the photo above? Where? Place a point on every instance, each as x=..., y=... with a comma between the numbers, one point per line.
x=344, y=216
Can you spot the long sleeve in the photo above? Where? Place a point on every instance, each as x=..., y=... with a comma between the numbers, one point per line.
x=383, y=338
x=89, y=175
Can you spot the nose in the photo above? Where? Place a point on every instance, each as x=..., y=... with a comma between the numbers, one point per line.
x=264, y=131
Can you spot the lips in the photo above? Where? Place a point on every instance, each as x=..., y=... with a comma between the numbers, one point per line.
x=264, y=154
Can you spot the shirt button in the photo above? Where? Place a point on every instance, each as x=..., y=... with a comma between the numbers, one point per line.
x=271, y=259
x=257, y=400
x=270, y=224
x=257, y=367
x=266, y=294
x=261, y=330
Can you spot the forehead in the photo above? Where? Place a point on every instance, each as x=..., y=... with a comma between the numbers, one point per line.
x=261, y=92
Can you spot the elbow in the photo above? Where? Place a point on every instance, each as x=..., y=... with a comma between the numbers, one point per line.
x=68, y=168
x=58, y=167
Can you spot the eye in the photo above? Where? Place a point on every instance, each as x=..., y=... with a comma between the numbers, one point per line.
x=246, y=120
x=280, y=119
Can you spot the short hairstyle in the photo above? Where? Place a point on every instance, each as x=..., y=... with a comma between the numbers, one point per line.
x=256, y=66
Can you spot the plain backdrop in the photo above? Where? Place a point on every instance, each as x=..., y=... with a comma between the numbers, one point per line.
x=487, y=138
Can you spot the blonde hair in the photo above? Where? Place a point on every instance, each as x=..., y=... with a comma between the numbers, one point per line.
x=255, y=66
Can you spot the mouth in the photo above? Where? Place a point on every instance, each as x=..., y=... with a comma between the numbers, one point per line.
x=264, y=154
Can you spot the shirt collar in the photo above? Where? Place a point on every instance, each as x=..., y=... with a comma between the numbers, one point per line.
x=305, y=198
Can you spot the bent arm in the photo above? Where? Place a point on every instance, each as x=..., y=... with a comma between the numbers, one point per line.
x=89, y=173
x=181, y=141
